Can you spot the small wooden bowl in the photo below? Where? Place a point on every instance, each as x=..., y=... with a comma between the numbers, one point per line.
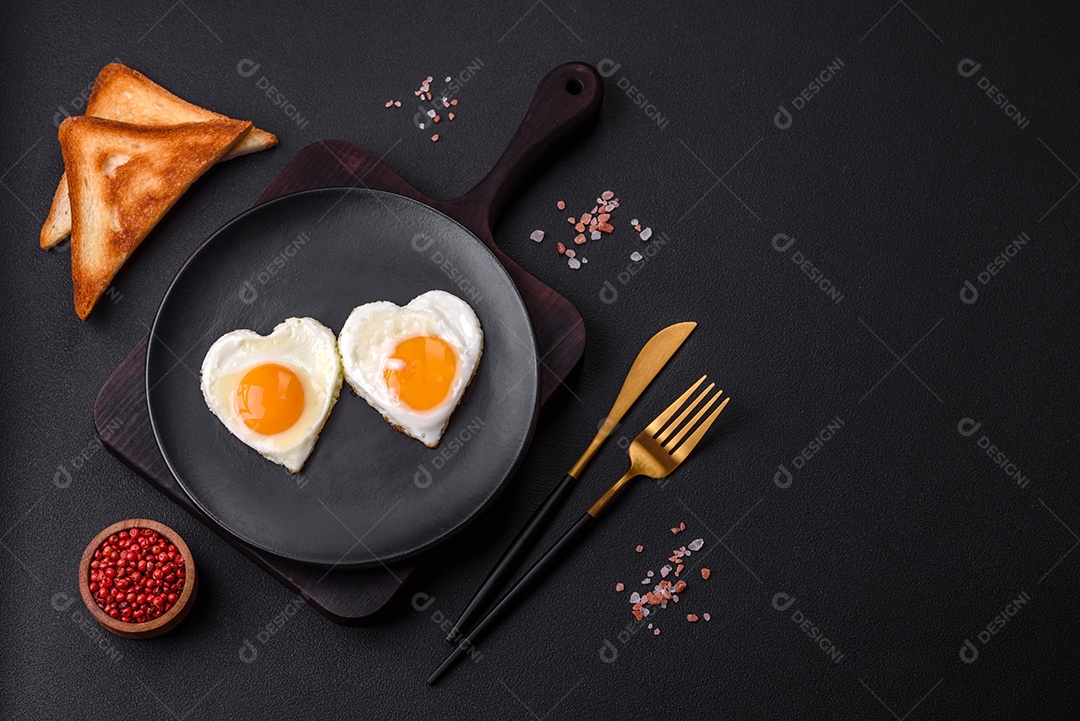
x=166, y=621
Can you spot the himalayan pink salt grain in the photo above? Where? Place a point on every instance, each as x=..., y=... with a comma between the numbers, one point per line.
x=692, y=618
x=707, y=617
x=705, y=573
x=656, y=632
x=561, y=205
x=619, y=587
x=638, y=549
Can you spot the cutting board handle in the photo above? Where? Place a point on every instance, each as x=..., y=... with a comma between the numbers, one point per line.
x=566, y=104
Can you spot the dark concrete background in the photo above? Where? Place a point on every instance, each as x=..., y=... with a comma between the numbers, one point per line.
x=901, y=540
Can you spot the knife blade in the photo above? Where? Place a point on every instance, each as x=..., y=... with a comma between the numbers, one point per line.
x=650, y=360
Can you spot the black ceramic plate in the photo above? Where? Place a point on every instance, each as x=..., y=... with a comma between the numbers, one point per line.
x=367, y=494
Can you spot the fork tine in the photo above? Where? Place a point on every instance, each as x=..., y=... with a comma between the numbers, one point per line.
x=691, y=424
x=682, y=416
x=661, y=419
x=684, y=450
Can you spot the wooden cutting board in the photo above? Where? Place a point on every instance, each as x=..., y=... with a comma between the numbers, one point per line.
x=565, y=105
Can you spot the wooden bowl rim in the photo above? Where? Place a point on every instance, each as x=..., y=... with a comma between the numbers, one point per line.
x=134, y=630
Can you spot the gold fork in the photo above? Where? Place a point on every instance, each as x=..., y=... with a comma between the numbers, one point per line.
x=656, y=452
x=659, y=449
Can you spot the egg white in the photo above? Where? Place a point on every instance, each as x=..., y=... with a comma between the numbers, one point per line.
x=305, y=346
x=372, y=332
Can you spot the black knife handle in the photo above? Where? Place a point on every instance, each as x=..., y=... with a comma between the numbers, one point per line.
x=524, y=542
x=547, y=562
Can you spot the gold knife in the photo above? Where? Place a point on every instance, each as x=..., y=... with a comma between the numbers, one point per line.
x=654, y=356
x=650, y=360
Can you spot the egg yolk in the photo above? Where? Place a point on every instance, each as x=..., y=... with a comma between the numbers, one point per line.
x=420, y=372
x=269, y=399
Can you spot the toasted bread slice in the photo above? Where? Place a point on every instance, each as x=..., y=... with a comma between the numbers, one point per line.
x=122, y=180
x=58, y=223
x=128, y=96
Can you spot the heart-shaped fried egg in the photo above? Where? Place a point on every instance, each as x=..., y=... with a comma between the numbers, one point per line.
x=412, y=363
x=274, y=392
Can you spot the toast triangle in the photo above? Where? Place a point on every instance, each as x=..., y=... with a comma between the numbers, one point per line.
x=122, y=180
x=128, y=96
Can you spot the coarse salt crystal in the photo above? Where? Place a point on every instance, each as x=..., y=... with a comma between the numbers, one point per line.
x=447, y=78
x=635, y=597
x=646, y=581
x=646, y=234
x=619, y=587
x=707, y=617
x=595, y=235
x=635, y=256
x=574, y=263
x=649, y=574
x=570, y=253
x=665, y=571
x=537, y=235
x=431, y=113
x=696, y=544
x=634, y=222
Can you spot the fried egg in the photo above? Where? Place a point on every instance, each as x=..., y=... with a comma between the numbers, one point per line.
x=412, y=363
x=274, y=392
